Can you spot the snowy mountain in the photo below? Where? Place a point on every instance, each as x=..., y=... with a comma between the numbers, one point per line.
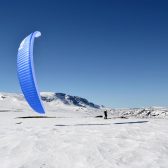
x=52, y=101
x=67, y=99
x=151, y=112
x=62, y=102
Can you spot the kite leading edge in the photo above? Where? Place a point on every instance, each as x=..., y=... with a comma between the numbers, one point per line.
x=26, y=73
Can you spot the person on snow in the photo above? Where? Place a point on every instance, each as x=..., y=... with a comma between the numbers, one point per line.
x=105, y=114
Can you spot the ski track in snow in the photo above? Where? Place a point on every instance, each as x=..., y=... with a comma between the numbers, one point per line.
x=80, y=142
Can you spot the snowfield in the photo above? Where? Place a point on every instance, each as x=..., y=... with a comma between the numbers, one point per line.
x=74, y=138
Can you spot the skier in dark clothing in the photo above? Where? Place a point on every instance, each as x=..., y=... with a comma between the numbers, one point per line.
x=105, y=114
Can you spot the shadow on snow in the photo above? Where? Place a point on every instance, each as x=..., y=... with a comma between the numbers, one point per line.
x=134, y=122
x=27, y=117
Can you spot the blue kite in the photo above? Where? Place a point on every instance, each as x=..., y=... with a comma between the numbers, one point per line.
x=26, y=73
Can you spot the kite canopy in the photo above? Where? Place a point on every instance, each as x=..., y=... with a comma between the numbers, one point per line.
x=26, y=73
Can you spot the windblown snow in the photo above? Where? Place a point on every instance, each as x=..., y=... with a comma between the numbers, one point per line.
x=74, y=135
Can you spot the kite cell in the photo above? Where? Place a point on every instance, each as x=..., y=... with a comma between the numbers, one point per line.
x=26, y=73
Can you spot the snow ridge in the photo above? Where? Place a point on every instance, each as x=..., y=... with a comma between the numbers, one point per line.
x=150, y=112
x=50, y=98
x=68, y=99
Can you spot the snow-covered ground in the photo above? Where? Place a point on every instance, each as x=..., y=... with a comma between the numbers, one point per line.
x=81, y=142
x=74, y=138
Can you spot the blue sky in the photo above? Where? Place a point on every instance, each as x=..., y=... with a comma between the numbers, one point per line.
x=113, y=53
